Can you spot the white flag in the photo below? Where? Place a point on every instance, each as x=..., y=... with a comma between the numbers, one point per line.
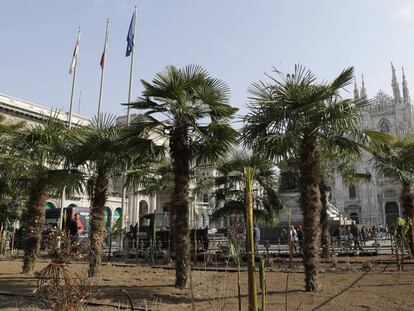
x=75, y=55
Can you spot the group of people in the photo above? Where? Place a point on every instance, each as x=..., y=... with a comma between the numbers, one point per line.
x=296, y=238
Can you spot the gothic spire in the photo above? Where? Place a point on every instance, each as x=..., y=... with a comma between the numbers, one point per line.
x=356, y=92
x=395, y=87
x=406, y=95
x=363, y=89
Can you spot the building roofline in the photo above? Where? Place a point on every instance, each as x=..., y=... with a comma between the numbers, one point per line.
x=30, y=110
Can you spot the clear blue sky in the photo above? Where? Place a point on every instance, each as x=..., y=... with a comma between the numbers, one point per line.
x=235, y=40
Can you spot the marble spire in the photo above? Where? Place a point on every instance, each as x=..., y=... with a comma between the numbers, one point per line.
x=356, y=91
x=363, y=89
x=406, y=94
x=395, y=87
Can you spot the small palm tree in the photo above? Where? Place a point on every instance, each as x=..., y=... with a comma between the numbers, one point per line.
x=294, y=117
x=104, y=152
x=230, y=193
x=41, y=152
x=190, y=109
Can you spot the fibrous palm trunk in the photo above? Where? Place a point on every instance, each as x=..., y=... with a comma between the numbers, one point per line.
x=407, y=204
x=96, y=237
x=181, y=153
x=310, y=203
x=33, y=222
x=326, y=236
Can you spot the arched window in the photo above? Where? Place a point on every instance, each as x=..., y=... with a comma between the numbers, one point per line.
x=143, y=208
x=107, y=218
x=205, y=197
x=352, y=192
x=117, y=215
x=384, y=126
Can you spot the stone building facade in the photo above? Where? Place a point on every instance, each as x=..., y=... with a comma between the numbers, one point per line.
x=377, y=202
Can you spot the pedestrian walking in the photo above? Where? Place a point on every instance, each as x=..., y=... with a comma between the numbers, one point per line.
x=356, y=233
x=256, y=237
x=293, y=238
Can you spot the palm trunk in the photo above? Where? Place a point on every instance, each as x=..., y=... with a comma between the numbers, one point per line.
x=97, y=223
x=407, y=205
x=33, y=222
x=181, y=153
x=248, y=174
x=326, y=236
x=172, y=235
x=310, y=203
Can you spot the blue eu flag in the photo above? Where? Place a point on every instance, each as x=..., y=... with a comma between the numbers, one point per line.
x=130, y=36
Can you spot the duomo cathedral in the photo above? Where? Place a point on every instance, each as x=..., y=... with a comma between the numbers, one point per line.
x=377, y=201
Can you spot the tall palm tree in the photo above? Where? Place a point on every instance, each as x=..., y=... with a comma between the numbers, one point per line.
x=396, y=161
x=189, y=108
x=230, y=193
x=10, y=190
x=294, y=117
x=103, y=151
x=41, y=152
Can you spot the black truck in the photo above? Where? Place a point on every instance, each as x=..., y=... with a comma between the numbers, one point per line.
x=155, y=227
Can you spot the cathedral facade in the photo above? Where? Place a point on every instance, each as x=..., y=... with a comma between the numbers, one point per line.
x=377, y=201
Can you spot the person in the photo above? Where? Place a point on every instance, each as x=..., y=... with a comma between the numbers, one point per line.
x=381, y=232
x=293, y=238
x=300, y=235
x=364, y=234
x=283, y=235
x=75, y=228
x=356, y=232
x=256, y=237
x=131, y=237
x=387, y=231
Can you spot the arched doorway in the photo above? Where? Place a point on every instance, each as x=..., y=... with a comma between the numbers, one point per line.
x=355, y=217
x=117, y=215
x=49, y=205
x=107, y=218
x=391, y=212
x=143, y=208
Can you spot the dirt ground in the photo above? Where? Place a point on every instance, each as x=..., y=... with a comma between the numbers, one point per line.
x=352, y=284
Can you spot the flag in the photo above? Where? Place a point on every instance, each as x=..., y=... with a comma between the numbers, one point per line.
x=130, y=36
x=102, y=62
x=75, y=55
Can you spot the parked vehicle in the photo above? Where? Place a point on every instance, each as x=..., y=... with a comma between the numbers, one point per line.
x=155, y=227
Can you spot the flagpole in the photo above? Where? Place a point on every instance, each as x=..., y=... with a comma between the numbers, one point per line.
x=62, y=199
x=131, y=70
x=71, y=97
x=103, y=70
x=73, y=83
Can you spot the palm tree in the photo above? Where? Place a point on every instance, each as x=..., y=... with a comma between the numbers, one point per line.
x=230, y=193
x=189, y=108
x=104, y=152
x=396, y=161
x=294, y=117
x=41, y=152
x=10, y=190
